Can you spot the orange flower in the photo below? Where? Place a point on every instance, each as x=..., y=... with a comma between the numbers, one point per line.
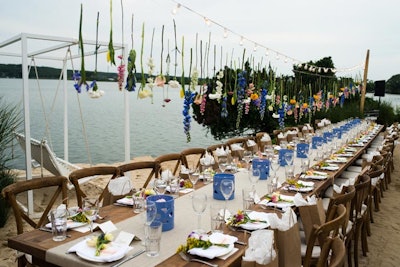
x=292, y=101
x=316, y=97
x=254, y=96
x=342, y=89
x=305, y=105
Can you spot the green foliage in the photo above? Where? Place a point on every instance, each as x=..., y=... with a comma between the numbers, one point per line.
x=393, y=84
x=9, y=121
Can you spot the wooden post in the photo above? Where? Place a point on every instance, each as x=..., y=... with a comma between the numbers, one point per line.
x=364, y=88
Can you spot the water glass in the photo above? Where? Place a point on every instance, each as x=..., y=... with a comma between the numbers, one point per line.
x=194, y=176
x=248, y=198
x=217, y=212
x=90, y=208
x=138, y=204
x=152, y=238
x=58, y=220
x=174, y=187
x=289, y=172
x=305, y=164
x=161, y=186
x=199, y=204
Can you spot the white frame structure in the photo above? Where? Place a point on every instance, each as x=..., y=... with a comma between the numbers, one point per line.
x=50, y=44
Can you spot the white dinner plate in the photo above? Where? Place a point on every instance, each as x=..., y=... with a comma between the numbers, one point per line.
x=114, y=252
x=215, y=251
x=262, y=223
x=70, y=224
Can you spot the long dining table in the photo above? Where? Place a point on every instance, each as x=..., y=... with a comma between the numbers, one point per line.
x=46, y=252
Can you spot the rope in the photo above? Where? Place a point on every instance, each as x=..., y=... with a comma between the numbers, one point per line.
x=81, y=116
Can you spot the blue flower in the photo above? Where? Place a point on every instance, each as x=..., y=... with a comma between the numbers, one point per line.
x=189, y=96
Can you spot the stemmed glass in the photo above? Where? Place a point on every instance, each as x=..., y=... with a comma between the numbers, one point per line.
x=90, y=207
x=222, y=163
x=199, y=204
x=194, y=175
x=254, y=176
x=247, y=156
x=289, y=158
x=274, y=165
x=227, y=187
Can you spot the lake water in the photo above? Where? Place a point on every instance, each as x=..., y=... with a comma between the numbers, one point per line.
x=155, y=130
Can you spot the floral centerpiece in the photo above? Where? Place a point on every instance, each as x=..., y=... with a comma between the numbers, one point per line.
x=240, y=218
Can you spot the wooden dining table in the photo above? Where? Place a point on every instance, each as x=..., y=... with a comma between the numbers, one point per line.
x=46, y=252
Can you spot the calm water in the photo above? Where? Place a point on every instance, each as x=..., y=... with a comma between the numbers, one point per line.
x=155, y=130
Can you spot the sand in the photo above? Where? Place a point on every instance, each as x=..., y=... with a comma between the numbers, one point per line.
x=383, y=243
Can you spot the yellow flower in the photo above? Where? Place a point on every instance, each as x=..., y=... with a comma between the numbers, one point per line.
x=316, y=97
x=292, y=101
x=254, y=96
x=342, y=89
x=144, y=93
x=108, y=56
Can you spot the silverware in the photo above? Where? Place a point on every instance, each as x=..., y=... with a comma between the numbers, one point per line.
x=189, y=258
x=49, y=231
x=134, y=255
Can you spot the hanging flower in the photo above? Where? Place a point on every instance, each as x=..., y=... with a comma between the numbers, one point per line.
x=224, y=110
x=174, y=84
x=186, y=116
x=292, y=101
x=246, y=105
x=203, y=104
x=194, y=79
x=240, y=97
x=160, y=81
x=121, y=73
x=111, y=52
x=263, y=103
x=80, y=78
x=145, y=93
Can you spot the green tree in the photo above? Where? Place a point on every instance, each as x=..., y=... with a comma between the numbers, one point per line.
x=393, y=84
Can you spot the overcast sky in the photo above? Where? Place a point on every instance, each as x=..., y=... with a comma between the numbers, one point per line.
x=299, y=31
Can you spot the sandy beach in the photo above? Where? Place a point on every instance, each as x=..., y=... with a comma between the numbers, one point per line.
x=383, y=243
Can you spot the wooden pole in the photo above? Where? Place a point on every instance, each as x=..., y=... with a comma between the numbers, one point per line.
x=364, y=88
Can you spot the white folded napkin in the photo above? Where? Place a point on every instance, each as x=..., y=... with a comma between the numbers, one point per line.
x=261, y=247
x=216, y=251
x=166, y=174
x=236, y=147
x=220, y=152
x=207, y=159
x=265, y=138
x=184, y=170
x=280, y=135
x=120, y=186
x=300, y=201
x=251, y=143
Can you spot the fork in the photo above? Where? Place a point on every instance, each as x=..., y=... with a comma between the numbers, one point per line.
x=189, y=258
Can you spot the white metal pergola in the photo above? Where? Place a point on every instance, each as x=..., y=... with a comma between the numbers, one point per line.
x=49, y=45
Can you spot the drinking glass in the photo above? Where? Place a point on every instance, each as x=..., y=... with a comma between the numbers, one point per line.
x=247, y=156
x=222, y=163
x=199, y=204
x=227, y=187
x=151, y=212
x=305, y=164
x=254, y=176
x=289, y=158
x=90, y=207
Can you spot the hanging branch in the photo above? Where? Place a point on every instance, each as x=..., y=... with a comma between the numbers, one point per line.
x=80, y=78
x=176, y=49
x=111, y=52
x=183, y=69
x=143, y=81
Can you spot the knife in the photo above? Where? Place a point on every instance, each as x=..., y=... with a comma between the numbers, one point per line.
x=129, y=258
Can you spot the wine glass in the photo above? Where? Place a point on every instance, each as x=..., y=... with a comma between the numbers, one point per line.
x=199, y=204
x=90, y=208
x=194, y=175
x=222, y=163
x=274, y=164
x=254, y=176
x=247, y=156
x=160, y=186
x=289, y=158
x=227, y=187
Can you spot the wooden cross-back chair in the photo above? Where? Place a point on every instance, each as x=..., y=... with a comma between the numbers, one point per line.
x=108, y=172
x=333, y=253
x=360, y=214
x=322, y=232
x=150, y=166
x=190, y=154
x=11, y=194
x=171, y=161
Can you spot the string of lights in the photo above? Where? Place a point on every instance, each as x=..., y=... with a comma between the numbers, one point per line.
x=268, y=51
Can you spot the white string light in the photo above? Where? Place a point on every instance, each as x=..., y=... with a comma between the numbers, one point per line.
x=209, y=22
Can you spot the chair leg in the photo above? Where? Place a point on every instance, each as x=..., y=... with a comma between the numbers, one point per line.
x=364, y=241
x=349, y=258
x=356, y=241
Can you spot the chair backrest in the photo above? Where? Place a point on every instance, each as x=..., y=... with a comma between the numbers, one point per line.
x=363, y=188
x=322, y=232
x=261, y=144
x=171, y=161
x=108, y=172
x=130, y=168
x=192, y=155
x=345, y=198
x=59, y=196
x=375, y=171
x=333, y=253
